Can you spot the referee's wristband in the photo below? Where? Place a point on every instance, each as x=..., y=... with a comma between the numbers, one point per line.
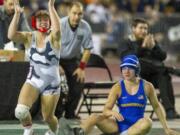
x=82, y=65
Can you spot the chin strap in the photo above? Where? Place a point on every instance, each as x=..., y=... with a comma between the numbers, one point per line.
x=43, y=30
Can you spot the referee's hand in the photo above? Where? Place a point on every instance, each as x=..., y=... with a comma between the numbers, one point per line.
x=80, y=74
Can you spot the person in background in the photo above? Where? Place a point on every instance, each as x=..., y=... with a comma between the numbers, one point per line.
x=6, y=15
x=76, y=34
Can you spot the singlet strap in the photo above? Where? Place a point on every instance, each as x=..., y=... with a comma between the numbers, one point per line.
x=33, y=41
x=123, y=88
x=141, y=86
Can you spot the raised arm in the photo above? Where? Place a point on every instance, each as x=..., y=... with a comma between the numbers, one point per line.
x=158, y=109
x=13, y=34
x=55, y=23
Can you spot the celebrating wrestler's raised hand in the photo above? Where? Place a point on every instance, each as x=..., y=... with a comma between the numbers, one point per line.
x=51, y=2
x=17, y=7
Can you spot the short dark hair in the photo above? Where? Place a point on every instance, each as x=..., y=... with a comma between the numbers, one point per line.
x=76, y=3
x=136, y=21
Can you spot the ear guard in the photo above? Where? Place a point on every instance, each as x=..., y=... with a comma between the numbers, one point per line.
x=33, y=24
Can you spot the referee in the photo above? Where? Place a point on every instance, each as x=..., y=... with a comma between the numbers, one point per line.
x=76, y=35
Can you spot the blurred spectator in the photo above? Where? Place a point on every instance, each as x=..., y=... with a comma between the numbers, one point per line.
x=43, y=3
x=26, y=2
x=157, y=25
x=27, y=9
x=159, y=5
x=116, y=30
x=172, y=6
x=6, y=15
x=97, y=15
x=132, y=6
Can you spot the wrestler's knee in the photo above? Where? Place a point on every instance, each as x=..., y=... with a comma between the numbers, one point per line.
x=21, y=111
x=146, y=125
x=143, y=126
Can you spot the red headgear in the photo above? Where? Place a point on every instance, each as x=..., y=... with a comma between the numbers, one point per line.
x=33, y=24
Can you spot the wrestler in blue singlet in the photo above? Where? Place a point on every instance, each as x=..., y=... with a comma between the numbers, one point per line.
x=131, y=107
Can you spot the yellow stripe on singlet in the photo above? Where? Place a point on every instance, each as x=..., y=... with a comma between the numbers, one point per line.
x=132, y=104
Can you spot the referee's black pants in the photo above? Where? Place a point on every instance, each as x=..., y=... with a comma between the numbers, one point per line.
x=75, y=88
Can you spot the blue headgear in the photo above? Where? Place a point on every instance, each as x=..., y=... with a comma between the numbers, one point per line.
x=131, y=61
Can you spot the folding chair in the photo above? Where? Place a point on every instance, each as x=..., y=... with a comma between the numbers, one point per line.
x=88, y=97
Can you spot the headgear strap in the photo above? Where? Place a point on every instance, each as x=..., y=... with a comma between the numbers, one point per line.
x=33, y=24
